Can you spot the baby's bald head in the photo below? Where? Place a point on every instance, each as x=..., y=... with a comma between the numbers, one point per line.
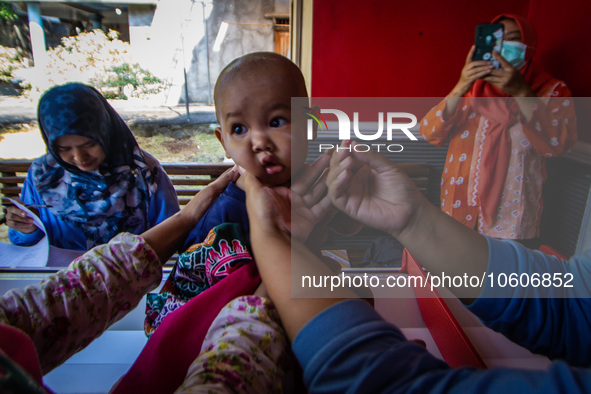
x=267, y=68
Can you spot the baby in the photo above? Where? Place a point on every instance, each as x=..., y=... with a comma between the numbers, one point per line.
x=253, y=105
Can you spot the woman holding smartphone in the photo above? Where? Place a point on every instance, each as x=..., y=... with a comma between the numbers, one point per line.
x=95, y=181
x=501, y=124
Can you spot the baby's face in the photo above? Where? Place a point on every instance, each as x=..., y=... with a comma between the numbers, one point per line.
x=255, y=117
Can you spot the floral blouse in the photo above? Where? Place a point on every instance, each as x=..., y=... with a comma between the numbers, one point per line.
x=72, y=307
x=550, y=132
x=245, y=350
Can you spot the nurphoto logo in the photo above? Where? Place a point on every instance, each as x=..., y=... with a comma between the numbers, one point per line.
x=402, y=121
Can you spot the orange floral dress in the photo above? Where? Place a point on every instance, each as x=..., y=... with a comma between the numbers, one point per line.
x=549, y=133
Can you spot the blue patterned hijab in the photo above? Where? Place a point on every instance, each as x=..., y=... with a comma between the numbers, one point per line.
x=104, y=202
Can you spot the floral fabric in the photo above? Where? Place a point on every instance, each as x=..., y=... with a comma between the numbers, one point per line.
x=245, y=351
x=495, y=164
x=69, y=309
x=519, y=207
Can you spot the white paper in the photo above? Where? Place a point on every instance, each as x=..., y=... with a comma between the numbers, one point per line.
x=39, y=255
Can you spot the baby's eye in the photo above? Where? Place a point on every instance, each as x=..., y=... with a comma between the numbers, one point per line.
x=278, y=122
x=238, y=129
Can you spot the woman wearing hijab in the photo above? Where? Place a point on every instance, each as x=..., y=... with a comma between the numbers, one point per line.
x=501, y=124
x=95, y=181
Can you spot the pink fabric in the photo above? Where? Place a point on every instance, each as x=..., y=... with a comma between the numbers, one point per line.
x=162, y=365
x=17, y=346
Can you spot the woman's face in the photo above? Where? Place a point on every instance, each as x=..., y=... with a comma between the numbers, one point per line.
x=512, y=31
x=80, y=152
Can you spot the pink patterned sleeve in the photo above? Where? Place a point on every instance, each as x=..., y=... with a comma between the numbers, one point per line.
x=72, y=307
x=244, y=351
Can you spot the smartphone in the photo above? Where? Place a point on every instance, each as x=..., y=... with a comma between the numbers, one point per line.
x=488, y=37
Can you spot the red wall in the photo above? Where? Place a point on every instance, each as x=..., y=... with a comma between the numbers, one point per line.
x=383, y=48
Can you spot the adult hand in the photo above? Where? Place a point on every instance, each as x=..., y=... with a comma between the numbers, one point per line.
x=168, y=236
x=310, y=205
x=472, y=70
x=19, y=220
x=294, y=211
x=195, y=209
x=508, y=79
x=269, y=209
x=371, y=189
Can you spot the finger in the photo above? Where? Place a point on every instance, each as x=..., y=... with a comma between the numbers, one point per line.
x=479, y=64
x=481, y=74
x=320, y=209
x=224, y=180
x=419, y=342
x=337, y=167
x=311, y=174
x=19, y=221
x=18, y=215
x=340, y=160
x=499, y=72
x=494, y=80
x=20, y=225
x=470, y=54
x=376, y=161
x=317, y=191
x=240, y=169
x=504, y=63
x=479, y=68
x=338, y=186
x=343, y=153
x=251, y=183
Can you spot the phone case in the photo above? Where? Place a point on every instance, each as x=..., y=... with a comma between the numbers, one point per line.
x=488, y=37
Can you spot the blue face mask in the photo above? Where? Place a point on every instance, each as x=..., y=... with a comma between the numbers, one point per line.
x=514, y=53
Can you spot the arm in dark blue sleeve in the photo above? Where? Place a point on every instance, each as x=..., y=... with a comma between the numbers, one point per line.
x=350, y=348
x=230, y=207
x=556, y=323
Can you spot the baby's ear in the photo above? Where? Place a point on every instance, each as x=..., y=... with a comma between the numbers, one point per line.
x=218, y=134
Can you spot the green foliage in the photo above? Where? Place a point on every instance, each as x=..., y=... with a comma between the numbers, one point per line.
x=7, y=14
x=133, y=76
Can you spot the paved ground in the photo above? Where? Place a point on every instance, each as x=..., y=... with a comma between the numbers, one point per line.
x=27, y=143
x=18, y=110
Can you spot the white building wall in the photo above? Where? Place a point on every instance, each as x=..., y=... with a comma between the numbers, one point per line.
x=177, y=36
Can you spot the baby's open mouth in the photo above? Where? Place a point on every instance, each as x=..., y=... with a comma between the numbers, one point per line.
x=271, y=165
